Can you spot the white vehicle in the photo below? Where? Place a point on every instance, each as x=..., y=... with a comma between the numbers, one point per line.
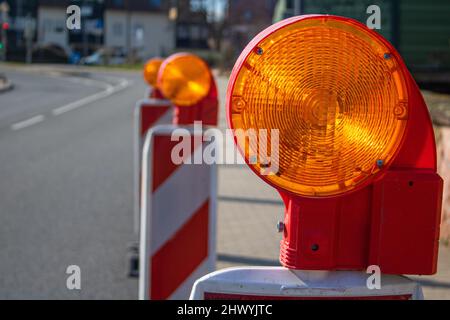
x=104, y=57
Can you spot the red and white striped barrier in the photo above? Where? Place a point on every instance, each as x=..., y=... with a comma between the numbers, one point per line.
x=277, y=283
x=178, y=217
x=147, y=114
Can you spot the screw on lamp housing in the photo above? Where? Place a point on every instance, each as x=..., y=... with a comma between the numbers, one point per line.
x=280, y=226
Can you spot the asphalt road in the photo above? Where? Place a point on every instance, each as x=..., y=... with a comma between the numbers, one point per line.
x=66, y=163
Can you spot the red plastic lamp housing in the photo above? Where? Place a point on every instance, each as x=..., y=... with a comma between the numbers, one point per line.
x=356, y=158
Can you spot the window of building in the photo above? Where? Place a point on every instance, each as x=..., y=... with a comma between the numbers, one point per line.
x=139, y=34
x=290, y=4
x=198, y=5
x=155, y=3
x=53, y=26
x=195, y=32
x=117, y=29
x=182, y=31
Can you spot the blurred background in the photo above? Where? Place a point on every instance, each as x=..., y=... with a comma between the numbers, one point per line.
x=66, y=129
x=130, y=31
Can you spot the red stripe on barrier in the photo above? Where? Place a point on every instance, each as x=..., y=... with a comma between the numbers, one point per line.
x=163, y=166
x=180, y=256
x=156, y=94
x=224, y=296
x=150, y=115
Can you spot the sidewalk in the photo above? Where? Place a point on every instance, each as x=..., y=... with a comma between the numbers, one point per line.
x=249, y=210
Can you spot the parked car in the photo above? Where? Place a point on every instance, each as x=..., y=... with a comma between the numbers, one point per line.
x=104, y=57
x=50, y=53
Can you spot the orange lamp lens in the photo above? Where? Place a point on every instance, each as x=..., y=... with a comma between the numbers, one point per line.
x=185, y=79
x=151, y=70
x=337, y=96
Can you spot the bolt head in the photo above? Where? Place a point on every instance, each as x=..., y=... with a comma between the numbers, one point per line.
x=380, y=163
x=280, y=226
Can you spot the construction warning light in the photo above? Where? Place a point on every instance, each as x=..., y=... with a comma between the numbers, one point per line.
x=356, y=158
x=185, y=79
x=337, y=98
x=151, y=70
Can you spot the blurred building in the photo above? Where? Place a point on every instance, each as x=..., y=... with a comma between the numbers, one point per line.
x=51, y=26
x=139, y=27
x=192, y=26
x=419, y=29
x=133, y=28
x=246, y=19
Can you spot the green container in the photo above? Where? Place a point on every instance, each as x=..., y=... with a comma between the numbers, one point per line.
x=419, y=29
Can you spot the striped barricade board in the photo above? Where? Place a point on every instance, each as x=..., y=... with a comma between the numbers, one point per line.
x=178, y=214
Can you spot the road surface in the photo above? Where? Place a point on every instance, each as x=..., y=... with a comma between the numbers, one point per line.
x=66, y=184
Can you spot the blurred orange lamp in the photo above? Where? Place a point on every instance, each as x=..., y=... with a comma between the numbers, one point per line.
x=186, y=80
x=151, y=70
